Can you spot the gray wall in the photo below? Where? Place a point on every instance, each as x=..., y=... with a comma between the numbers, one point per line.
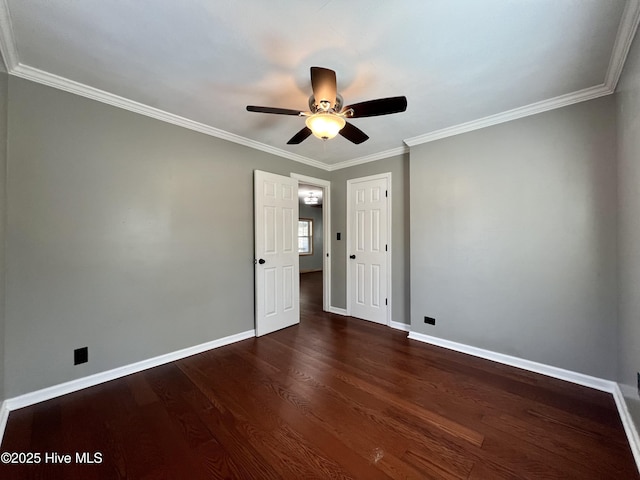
x=4, y=92
x=513, y=238
x=398, y=166
x=628, y=103
x=118, y=235
x=124, y=234
x=312, y=262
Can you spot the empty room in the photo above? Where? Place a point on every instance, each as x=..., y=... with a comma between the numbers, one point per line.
x=336, y=239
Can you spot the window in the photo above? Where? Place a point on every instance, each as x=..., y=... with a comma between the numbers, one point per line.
x=305, y=236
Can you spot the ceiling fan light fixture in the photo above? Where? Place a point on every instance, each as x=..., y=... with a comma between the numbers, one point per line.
x=311, y=199
x=325, y=125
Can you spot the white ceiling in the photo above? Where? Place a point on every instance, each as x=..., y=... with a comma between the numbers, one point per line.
x=462, y=64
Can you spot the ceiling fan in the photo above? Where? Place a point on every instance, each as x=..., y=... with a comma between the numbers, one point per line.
x=327, y=115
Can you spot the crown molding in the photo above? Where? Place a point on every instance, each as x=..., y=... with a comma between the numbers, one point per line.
x=394, y=152
x=626, y=31
x=71, y=86
x=520, y=112
x=7, y=45
x=77, y=88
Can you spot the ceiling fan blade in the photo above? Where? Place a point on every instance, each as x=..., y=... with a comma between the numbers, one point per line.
x=381, y=106
x=353, y=134
x=300, y=136
x=324, y=84
x=277, y=111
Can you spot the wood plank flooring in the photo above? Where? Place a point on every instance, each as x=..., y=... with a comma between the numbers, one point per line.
x=333, y=397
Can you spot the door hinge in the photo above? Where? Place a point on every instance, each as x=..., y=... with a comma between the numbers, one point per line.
x=386, y=247
x=386, y=301
x=386, y=193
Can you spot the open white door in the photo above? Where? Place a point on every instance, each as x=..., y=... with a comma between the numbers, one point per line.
x=277, y=279
x=368, y=248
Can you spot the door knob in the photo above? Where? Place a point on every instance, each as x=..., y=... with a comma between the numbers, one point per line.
x=262, y=261
x=352, y=257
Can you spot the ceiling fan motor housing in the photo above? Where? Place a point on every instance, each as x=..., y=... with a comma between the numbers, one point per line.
x=325, y=105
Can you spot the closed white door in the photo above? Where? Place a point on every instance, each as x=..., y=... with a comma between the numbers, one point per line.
x=368, y=251
x=277, y=280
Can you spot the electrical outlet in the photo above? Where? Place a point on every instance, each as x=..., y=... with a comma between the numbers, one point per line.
x=80, y=355
x=430, y=320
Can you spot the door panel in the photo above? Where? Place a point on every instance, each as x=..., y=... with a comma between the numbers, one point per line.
x=270, y=291
x=277, y=280
x=375, y=230
x=288, y=240
x=269, y=229
x=368, y=217
x=375, y=285
x=288, y=285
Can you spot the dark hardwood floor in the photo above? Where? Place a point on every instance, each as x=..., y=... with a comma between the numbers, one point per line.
x=333, y=397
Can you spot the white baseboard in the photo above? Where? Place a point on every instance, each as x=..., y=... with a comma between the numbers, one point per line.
x=548, y=370
x=74, y=385
x=574, y=377
x=627, y=422
x=400, y=326
x=4, y=416
x=338, y=311
x=397, y=325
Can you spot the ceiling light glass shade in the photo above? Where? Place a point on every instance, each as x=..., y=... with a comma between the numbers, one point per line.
x=311, y=200
x=325, y=125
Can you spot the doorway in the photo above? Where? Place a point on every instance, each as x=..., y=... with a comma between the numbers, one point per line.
x=320, y=259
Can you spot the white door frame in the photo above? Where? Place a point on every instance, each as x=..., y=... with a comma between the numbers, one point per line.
x=326, y=234
x=387, y=177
